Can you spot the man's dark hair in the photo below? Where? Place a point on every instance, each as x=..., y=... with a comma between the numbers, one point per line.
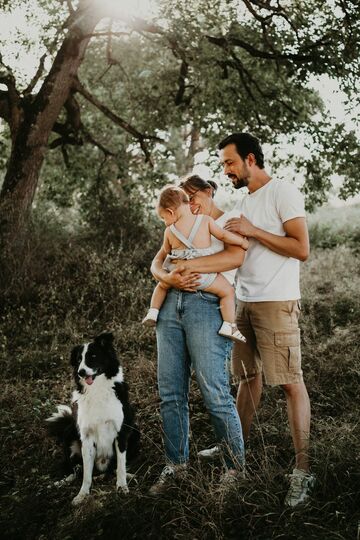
x=245, y=144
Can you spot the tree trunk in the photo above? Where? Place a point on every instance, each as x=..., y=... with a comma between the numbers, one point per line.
x=30, y=141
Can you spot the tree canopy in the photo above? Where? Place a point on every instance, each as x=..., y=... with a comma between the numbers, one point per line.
x=118, y=102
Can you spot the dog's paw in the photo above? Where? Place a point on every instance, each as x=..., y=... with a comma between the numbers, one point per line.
x=124, y=488
x=80, y=497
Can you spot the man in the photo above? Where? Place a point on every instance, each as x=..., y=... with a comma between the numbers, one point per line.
x=272, y=217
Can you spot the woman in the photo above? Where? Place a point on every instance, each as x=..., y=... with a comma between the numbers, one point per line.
x=187, y=337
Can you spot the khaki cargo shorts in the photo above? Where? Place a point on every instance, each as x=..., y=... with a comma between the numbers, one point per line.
x=272, y=341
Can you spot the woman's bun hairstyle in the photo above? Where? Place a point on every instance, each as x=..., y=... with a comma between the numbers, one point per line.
x=195, y=183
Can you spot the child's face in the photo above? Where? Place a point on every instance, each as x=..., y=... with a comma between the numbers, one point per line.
x=168, y=216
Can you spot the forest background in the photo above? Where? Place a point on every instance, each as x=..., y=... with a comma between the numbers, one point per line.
x=101, y=104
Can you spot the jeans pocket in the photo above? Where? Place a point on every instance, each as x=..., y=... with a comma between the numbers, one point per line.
x=287, y=352
x=208, y=297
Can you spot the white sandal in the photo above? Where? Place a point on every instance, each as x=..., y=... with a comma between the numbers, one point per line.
x=231, y=331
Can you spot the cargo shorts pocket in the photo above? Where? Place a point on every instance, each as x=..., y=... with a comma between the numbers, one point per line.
x=287, y=352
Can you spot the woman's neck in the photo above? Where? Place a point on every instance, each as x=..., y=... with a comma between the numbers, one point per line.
x=215, y=212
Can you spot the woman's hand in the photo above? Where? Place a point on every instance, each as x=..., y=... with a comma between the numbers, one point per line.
x=181, y=278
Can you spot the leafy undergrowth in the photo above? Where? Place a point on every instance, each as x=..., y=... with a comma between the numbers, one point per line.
x=86, y=292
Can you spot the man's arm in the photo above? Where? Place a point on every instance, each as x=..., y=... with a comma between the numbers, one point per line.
x=295, y=244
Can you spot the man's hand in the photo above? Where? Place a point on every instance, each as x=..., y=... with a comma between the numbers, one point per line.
x=241, y=225
x=180, y=278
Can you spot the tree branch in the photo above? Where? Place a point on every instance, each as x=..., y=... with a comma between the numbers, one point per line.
x=78, y=87
x=14, y=112
x=89, y=137
x=37, y=75
x=225, y=43
x=266, y=95
x=278, y=11
x=179, y=98
x=70, y=7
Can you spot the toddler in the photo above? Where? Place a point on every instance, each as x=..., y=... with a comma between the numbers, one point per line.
x=189, y=239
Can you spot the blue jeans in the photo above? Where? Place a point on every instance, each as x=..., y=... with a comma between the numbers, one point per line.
x=187, y=337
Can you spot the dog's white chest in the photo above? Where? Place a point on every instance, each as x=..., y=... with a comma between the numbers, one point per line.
x=100, y=412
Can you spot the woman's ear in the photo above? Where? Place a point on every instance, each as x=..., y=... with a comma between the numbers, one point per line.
x=210, y=191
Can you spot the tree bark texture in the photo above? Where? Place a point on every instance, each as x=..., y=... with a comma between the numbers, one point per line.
x=30, y=138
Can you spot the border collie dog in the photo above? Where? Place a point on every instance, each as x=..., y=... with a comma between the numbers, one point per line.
x=99, y=428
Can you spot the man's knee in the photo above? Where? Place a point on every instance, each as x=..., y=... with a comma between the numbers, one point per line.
x=294, y=390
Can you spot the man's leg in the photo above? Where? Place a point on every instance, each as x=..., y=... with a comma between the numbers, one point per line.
x=298, y=409
x=246, y=365
x=247, y=401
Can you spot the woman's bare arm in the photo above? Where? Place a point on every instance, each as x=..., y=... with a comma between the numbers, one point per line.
x=178, y=278
x=228, y=259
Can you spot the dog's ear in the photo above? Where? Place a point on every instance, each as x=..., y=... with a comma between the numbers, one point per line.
x=75, y=355
x=105, y=339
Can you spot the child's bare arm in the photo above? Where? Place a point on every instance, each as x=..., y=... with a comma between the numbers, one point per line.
x=226, y=237
x=166, y=243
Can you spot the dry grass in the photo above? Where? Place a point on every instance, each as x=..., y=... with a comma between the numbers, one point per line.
x=88, y=290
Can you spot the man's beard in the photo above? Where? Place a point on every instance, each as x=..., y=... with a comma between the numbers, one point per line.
x=239, y=183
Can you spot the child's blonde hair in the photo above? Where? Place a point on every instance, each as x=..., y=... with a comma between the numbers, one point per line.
x=172, y=197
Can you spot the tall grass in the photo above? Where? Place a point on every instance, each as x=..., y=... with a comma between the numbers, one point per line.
x=71, y=287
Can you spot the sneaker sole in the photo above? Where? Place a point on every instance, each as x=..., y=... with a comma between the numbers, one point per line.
x=149, y=322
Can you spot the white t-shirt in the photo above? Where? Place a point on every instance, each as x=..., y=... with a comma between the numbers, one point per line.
x=217, y=245
x=264, y=274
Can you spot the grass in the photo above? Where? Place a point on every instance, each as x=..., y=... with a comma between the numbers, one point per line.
x=76, y=288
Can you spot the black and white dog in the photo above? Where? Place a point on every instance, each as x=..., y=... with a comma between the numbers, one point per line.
x=99, y=428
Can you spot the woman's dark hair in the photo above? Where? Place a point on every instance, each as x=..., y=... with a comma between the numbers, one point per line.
x=195, y=183
x=245, y=144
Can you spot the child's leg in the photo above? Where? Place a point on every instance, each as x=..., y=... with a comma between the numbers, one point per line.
x=158, y=296
x=222, y=288
x=157, y=300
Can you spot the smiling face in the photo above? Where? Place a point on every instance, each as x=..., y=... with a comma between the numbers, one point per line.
x=200, y=200
x=234, y=166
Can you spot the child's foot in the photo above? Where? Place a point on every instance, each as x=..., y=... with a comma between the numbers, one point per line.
x=231, y=331
x=151, y=317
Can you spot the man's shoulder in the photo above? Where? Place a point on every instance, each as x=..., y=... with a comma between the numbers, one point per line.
x=284, y=186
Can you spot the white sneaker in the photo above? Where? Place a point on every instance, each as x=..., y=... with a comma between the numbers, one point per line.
x=169, y=473
x=301, y=484
x=209, y=454
x=151, y=317
x=231, y=331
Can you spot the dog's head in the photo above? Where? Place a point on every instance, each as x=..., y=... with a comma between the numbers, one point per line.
x=95, y=358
